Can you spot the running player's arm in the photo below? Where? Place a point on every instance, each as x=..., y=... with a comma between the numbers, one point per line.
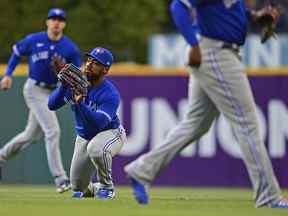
x=21, y=48
x=185, y=21
x=58, y=97
x=104, y=113
x=181, y=14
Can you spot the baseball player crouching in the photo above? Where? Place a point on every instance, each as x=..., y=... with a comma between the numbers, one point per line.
x=100, y=135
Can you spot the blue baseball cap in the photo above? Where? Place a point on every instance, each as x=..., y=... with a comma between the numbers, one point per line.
x=56, y=12
x=102, y=55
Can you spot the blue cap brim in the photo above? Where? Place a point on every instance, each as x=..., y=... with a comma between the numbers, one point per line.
x=98, y=60
x=59, y=17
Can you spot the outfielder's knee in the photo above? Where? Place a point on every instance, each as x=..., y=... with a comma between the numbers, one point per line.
x=94, y=151
x=53, y=133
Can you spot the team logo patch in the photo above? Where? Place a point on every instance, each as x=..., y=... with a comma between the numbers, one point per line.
x=39, y=44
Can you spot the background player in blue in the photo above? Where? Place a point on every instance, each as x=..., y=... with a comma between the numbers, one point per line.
x=43, y=49
x=100, y=135
x=218, y=84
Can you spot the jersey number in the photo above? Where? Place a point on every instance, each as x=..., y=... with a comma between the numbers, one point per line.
x=229, y=3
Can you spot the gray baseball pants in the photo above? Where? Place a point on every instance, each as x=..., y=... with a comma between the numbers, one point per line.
x=95, y=154
x=219, y=85
x=41, y=122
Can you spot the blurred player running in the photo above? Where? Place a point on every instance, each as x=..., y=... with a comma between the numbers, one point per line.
x=46, y=52
x=218, y=84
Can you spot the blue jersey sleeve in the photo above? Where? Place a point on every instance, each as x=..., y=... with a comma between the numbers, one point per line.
x=23, y=47
x=109, y=106
x=105, y=112
x=57, y=97
x=12, y=63
x=183, y=20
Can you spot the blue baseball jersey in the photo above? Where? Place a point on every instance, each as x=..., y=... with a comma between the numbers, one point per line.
x=224, y=20
x=40, y=51
x=95, y=113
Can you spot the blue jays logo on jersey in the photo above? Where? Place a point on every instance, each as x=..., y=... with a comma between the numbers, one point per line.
x=41, y=52
x=40, y=56
x=39, y=45
x=92, y=105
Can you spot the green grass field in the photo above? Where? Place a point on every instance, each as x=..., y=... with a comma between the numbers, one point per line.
x=32, y=200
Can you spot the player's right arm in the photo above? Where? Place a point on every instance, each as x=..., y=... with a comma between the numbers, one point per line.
x=106, y=110
x=181, y=14
x=21, y=48
x=58, y=97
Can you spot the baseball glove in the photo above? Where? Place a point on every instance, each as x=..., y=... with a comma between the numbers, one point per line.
x=267, y=19
x=73, y=76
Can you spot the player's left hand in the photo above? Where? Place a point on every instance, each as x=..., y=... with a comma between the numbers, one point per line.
x=195, y=57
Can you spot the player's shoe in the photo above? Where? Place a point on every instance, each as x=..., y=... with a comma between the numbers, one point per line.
x=63, y=186
x=282, y=203
x=105, y=194
x=139, y=191
x=77, y=194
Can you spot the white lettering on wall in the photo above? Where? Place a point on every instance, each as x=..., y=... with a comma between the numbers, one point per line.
x=169, y=50
x=278, y=128
x=152, y=119
x=260, y=55
x=163, y=119
x=139, y=133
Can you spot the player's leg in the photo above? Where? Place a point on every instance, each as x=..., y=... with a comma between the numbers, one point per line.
x=81, y=166
x=31, y=133
x=101, y=149
x=226, y=83
x=36, y=99
x=197, y=121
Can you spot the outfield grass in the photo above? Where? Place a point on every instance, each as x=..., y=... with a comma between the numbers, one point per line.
x=30, y=200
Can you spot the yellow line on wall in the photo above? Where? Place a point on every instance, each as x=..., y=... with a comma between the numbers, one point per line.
x=146, y=70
